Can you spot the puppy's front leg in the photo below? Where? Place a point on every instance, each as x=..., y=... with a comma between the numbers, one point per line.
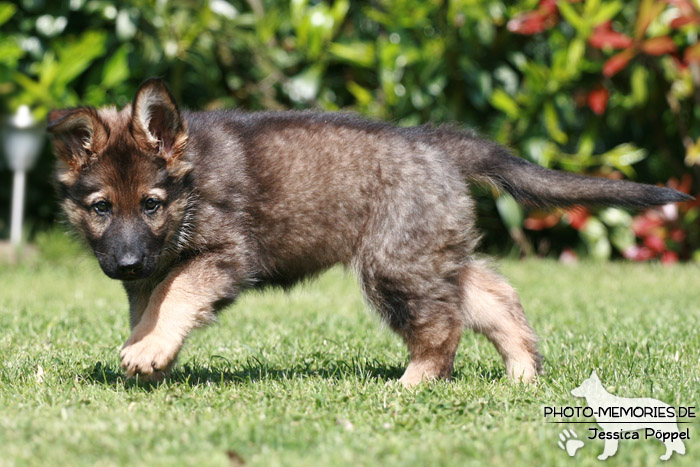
x=185, y=299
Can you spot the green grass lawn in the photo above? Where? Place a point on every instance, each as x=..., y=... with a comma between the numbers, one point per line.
x=309, y=377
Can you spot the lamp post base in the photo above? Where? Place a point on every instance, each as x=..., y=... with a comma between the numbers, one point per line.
x=18, y=183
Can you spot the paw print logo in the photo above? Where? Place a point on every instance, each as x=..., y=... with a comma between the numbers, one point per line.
x=569, y=442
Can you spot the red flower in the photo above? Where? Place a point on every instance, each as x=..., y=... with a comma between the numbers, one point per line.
x=529, y=23
x=577, y=217
x=689, y=13
x=598, y=100
x=669, y=257
x=604, y=37
x=661, y=229
x=683, y=185
x=647, y=223
x=637, y=253
x=535, y=21
x=692, y=54
x=541, y=220
x=617, y=62
x=659, y=46
x=655, y=243
x=677, y=235
x=683, y=21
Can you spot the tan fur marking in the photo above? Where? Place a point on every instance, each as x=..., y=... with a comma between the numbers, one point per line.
x=493, y=308
x=434, y=362
x=156, y=95
x=177, y=305
x=67, y=177
x=95, y=197
x=79, y=136
x=73, y=212
x=142, y=114
x=65, y=174
x=116, y=120
x=178, y=167
x=158, y=193
x=95, y=224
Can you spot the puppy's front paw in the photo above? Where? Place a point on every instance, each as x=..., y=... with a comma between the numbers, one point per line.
x=150, y=356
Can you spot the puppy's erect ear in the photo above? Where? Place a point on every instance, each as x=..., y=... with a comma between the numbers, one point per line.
x=156, y=122
x=78, y=135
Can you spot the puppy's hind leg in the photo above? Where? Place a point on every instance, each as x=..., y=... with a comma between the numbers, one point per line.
x=492, y=307
x=432, y=346
x=426, y=314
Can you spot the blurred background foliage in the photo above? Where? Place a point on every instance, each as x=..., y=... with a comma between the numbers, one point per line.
x=603, y=87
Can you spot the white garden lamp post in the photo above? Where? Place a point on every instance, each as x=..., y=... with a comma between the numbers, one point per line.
x=23, y=139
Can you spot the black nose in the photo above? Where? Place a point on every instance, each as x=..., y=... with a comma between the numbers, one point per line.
x=130, y=264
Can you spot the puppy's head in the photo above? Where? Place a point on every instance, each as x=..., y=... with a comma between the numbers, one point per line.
x=122, y=178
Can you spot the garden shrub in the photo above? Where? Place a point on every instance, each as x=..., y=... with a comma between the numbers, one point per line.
x=603, y=87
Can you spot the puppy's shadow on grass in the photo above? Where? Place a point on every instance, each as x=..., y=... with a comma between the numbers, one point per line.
x=219, y=371
x=253, y=370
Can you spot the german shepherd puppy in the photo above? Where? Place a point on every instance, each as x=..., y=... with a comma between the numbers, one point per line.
x=189, y=209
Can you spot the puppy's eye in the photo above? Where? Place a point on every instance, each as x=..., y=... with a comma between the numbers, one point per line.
x=151, y=205
x=101, y=207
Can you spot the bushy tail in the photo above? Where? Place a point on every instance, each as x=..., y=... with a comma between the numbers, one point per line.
x=485, y=161
x=532, y=184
